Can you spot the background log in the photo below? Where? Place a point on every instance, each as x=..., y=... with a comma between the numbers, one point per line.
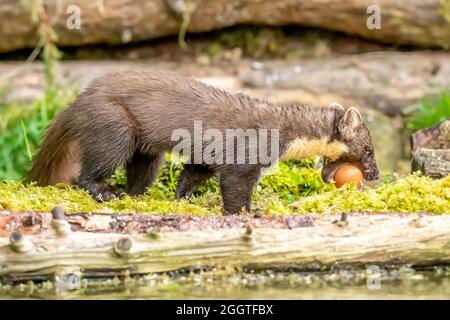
x=359, y=240
x=415, y=22
x=434, y=163
x=431, y=150
x=435, y=137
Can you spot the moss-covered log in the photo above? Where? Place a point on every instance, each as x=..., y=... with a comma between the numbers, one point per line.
x=116, y=21
x=162, y=243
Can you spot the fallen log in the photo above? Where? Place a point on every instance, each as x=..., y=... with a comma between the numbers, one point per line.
x=91, y=245
x=117, y=21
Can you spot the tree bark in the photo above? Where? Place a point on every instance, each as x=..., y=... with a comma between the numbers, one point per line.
x=414, y=22
x=160, y=243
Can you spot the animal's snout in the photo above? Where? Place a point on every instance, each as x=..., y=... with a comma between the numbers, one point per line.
x=372, y=174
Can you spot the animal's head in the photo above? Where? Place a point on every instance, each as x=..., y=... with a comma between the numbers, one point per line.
x=354, y=134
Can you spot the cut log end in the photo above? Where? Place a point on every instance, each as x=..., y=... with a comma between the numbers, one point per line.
x=430, y=149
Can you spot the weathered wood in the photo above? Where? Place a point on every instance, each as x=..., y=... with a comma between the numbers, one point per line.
x=116, y=21
x=382, y=239
x=435, y=137
x=36, y=222
x=434, y=163
x=431, y=150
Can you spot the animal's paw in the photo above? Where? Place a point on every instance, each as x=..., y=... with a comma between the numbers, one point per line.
x=107, y=196
x=183, y=194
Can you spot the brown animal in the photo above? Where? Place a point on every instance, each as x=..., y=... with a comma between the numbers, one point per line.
x=127, y=119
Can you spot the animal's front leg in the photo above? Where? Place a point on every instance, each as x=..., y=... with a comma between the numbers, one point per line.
x=192, y=176
x=99, y=190
x=142, y=170
x=237, y=187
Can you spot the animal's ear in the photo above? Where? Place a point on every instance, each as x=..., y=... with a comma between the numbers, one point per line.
x=350, y=121
x=337, y=106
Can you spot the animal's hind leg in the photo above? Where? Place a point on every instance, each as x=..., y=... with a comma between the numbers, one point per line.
x=192, y=176
x=142, y=170
x=101, y=156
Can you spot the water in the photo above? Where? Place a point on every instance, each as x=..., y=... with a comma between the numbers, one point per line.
x=404, y=283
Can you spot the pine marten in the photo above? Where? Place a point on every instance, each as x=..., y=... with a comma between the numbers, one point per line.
x=128, y=119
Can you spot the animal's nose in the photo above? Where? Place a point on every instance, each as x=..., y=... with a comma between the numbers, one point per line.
x=372, y=175
x=375, y=175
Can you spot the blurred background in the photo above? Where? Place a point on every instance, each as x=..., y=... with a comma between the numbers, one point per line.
x=389, y=58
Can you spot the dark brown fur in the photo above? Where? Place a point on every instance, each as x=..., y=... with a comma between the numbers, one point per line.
x=126, y=119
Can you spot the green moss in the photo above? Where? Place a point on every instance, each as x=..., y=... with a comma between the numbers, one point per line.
x=412, y=193
x=291, y=180
x=15, y=196
x=302, y=191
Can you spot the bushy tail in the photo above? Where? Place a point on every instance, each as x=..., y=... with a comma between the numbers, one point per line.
x=57, y=160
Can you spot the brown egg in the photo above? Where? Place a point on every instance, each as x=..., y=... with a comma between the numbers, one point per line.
x=348, y=173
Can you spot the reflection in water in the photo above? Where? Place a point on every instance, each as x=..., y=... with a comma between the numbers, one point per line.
x=404, y=283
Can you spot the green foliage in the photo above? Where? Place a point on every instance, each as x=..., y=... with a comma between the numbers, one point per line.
x=167, y=181
x=21, y=131
x=255, y=42
x=294, y=180
x=214, y=49
x=429, y=112
x=21, y=127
